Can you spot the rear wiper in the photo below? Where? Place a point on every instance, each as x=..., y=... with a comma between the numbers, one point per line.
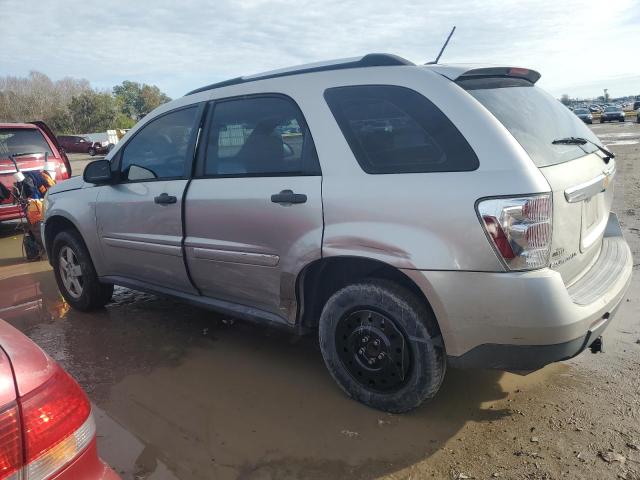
x=582, y=141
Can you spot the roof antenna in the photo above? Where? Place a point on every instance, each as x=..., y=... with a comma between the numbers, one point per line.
x=443, y=47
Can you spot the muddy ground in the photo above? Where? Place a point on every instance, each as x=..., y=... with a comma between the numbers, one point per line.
x=180, y=393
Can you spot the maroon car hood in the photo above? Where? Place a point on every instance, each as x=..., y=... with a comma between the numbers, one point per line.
x=31, y=366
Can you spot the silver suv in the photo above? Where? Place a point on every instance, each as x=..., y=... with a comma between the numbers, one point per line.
x=416, y=216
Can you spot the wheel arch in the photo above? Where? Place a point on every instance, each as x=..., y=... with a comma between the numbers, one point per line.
x=323, y=277
x=53, y=226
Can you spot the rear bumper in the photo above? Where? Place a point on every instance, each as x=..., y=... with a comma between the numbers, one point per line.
x=525, y=320
x=87, y=466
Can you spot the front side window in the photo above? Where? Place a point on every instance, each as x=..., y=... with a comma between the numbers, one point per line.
x=22, y=141
x=160, y=148
x=393, y=129
x=261, y=136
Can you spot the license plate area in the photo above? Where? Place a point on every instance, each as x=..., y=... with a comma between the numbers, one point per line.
x=594, y=220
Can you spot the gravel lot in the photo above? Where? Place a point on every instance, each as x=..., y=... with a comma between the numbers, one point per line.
x=181, y=393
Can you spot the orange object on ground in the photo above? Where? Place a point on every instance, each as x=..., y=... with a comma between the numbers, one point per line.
x=34, y=211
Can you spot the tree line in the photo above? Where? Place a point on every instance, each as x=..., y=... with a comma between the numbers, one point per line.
x=72, y=106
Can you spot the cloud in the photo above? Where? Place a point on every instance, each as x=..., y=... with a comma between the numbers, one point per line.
x=182, y=45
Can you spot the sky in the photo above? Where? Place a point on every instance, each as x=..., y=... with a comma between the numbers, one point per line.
x=579, y=46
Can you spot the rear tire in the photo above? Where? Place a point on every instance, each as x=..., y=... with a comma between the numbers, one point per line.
x=381, y=345
x=75, y=274
x=622, y=120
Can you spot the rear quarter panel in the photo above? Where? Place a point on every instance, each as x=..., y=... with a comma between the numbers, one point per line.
x=418, y=221
x=7, y=385
x=32, y=367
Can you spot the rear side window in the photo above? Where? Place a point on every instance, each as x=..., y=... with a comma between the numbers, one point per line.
x=22, y=141
x=393, y=129
x=259, y=136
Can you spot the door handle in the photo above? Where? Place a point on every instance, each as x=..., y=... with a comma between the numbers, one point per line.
x=165, y=199
x=287, y=196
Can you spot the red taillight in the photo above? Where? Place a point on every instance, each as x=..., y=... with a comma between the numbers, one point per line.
x=520, y=229
x=499, y=238
x=52, y=413
x=10, y=442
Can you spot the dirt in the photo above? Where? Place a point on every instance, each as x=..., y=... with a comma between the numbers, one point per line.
x=181, y=393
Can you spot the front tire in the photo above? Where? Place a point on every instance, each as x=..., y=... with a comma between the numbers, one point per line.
x=381, y=345
x=75, y=274
x=92, y=152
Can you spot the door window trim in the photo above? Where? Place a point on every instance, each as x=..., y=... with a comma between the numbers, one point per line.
x=201, y=157
x=191, y=147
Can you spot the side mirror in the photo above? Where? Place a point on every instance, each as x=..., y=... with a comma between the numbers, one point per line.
x=98, y=172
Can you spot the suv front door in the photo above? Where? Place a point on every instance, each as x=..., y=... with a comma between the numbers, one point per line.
x=254, y=210
x=140, y=217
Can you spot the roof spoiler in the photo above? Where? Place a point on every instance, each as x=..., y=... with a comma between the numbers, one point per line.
x=505, y=72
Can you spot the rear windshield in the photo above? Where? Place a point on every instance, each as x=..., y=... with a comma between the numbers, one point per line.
x=22, y=141
x=533, y=117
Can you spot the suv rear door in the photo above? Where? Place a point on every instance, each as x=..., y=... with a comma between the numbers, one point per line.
x=579, y=176
x=139, y=218
x=253, y=213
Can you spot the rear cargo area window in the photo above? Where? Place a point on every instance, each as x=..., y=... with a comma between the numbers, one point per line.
x=22, y=141
x=533, y=117
x=393, y=129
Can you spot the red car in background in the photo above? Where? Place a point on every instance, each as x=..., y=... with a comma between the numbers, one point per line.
x=29, y=143
x=78, y=144
x=47, y=429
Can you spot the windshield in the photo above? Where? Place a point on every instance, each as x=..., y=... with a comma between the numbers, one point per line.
x=612, y=109
x=20, y=141
x=581, y=111
x=533, y=117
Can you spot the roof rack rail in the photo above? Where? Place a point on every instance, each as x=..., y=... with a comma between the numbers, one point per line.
x=369, y=60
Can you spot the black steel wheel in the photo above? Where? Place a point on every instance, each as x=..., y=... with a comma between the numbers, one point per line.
x=374, y=350
x=366, y=345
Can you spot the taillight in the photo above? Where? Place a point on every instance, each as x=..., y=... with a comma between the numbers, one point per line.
x=56, y=424
x=520, y=229
x=10, y=443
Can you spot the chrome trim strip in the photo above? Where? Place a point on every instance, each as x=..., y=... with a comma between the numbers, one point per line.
x=144, y=246
x=590, y=188
x=261, y=259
